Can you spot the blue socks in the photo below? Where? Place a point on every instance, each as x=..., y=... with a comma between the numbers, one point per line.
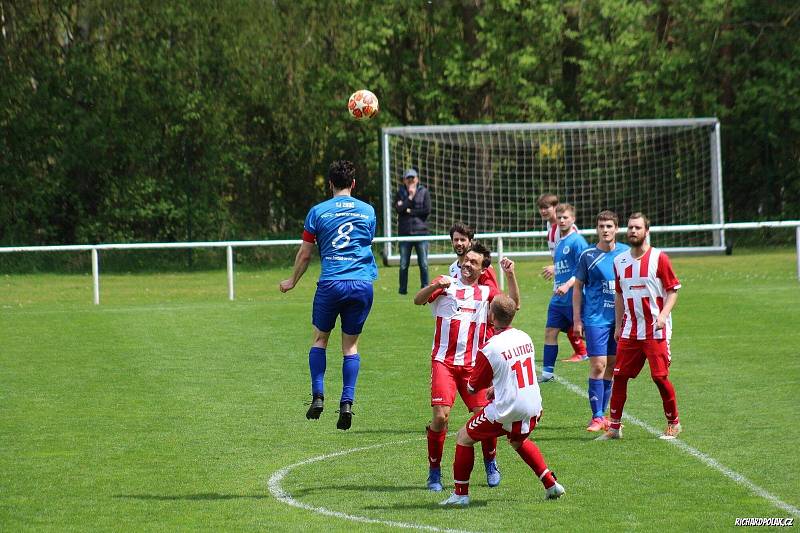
x=606, y=393
x=549, y=358
x=596, y=397
x=350, y=366
x=316, y=363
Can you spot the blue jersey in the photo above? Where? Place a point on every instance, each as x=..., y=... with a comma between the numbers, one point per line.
x=565, y=259
x=343, y=228
x=596, y=272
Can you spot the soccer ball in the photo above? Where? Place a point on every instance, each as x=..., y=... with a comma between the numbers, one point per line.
x=363, y=105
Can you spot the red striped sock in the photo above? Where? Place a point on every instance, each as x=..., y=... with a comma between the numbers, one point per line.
x=619, y=393
x=576, y=342
x=435, y=447
x=667, y=392
x=489, y=448
x=462, y=468
x=533, y=457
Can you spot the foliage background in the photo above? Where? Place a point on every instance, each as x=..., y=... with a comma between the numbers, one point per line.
x=127, y=121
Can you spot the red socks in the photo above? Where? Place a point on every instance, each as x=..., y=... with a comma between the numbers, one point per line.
x=435, y=447
x=619, y=393
x=667, y=398
x=489, y=447
x=576, y=342
x=462, y=468
x=533, y=457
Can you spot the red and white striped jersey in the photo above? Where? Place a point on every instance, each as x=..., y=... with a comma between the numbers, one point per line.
x=643, y=284
x=461, y=313
x=554, y=235
x=487, y=278
x=506, y=362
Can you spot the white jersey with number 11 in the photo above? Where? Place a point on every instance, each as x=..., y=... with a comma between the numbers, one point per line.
x=506, y=362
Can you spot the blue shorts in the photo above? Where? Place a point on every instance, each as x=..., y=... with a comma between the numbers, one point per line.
x=600, y=340
x=352, y=299
x=559, y=316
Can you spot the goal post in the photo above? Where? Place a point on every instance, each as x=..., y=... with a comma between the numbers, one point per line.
x=489, y=176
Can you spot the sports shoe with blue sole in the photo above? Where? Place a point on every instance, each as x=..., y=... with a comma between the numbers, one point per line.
x=456, y=500
x=492, y=473
x=435, y=479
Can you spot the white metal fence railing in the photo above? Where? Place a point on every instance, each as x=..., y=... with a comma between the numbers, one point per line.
x=498, y=238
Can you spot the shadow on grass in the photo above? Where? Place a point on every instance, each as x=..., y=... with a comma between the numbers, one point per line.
x=378, y=431
x=562, y=438
x=423, y=505
x=358, y=488
x=203, y=496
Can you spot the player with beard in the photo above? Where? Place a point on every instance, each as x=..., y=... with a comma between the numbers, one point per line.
x=460, y=307
x=646, y=292
x=462, y=239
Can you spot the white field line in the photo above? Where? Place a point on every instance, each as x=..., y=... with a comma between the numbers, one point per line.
x=281, y=495
x=700, y=456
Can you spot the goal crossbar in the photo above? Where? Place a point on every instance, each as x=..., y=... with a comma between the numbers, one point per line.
x=490, y=175
x=543, y=126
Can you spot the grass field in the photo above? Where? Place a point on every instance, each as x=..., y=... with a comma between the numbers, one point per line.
x=170, y=408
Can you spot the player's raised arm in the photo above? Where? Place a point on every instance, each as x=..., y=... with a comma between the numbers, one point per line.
x=513, y=287
x=425, y=293
x=301, y=261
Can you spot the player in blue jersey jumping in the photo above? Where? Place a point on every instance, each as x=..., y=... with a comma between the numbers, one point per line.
x=593, y=313
x=559, y=312
x=342, y=228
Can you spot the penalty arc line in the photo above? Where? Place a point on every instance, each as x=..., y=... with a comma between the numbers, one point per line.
x=697, y=454
x=283, y=496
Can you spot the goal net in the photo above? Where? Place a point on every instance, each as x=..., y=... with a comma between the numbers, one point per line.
x=489, y=176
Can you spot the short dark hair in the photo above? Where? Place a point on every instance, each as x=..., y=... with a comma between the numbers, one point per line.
x=462, y=229
x=341, y=174
x=484, y=251
x=639, y=214
x=546, y=200
x=608, y=215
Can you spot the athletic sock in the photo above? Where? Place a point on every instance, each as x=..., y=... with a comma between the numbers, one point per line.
x=317, y=363
x=350, y=366
x=435, y=447
x=489, y=448
x=667, y=398
x=576, y=342
x=462, y=468
x=533, y=457
x=549, y=358
x=619, y=393
x=596, y=397
x=606, y=393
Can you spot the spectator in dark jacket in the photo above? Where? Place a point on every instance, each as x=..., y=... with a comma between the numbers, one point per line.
x=413, y=205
